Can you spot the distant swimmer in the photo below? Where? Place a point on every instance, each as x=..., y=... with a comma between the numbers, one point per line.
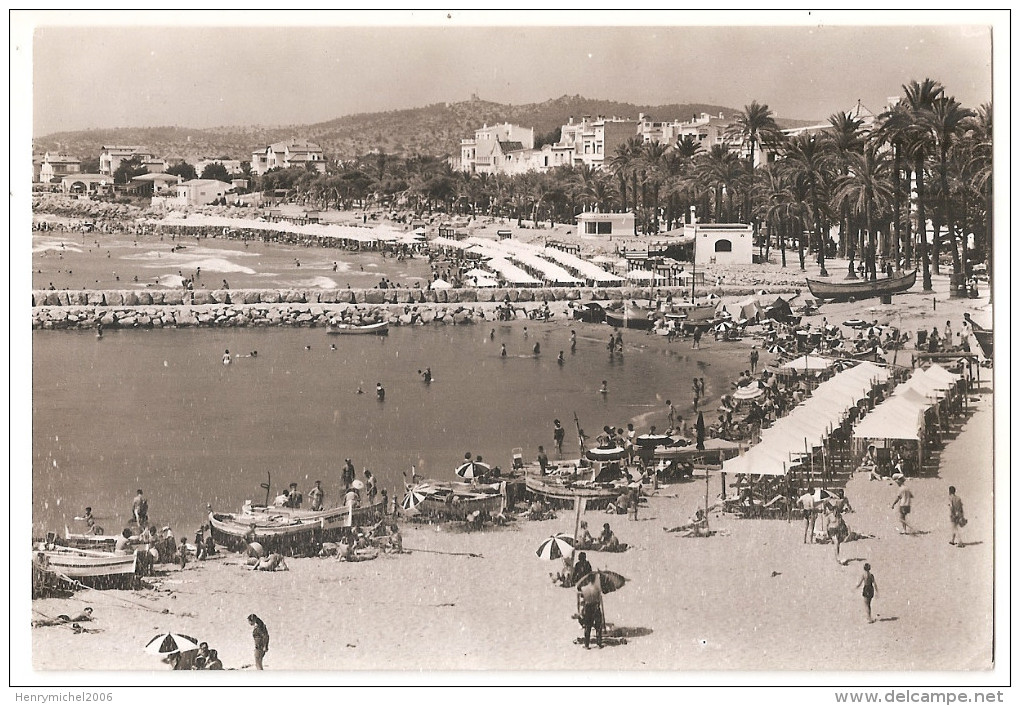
x=360, y=391
x=559, y=358
x=308, y=348
x=502, y=350
x=226, y=357
x=605, y=388
x=537, y=349
x=254, y=354
x=380, y=393
x=426, y=375
x=332, y=346
x=492, y=334
x=99, y=329
x=573, y=340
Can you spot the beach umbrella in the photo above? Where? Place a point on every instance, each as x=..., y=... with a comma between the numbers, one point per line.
x=556, y=547
x=700, y=427
x=609, y=580
x=775, y=348
x=167, y=643
x=357, y=485
x=413, y=497
x=723, y=326
x=473, y=469
x=855, y=323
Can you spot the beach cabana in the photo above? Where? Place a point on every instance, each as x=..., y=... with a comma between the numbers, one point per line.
x=644, y=276
x=440, y=284
x=806, y=364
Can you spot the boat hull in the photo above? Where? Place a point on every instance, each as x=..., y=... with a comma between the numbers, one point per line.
x=639, y=321
x=556, y=493
x=90, y=568
x=450, y=505
x=379, y=329
x=863, y=289
x=984, y=339
x=287, y=530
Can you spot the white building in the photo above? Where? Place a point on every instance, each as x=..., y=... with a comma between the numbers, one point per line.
x=233, y=166
x=498, y=149
x=111, y=156
x=201, y=192
x=56, y=166
x=292, y=153
x=721, y=243
x=594, y=223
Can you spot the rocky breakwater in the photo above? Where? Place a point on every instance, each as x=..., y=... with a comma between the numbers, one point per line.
x=158, y=308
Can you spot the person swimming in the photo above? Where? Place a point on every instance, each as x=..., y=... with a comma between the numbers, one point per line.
x=226, y=357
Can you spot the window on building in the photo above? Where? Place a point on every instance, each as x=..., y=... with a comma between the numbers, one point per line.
x=723, y=245
x=598, y=228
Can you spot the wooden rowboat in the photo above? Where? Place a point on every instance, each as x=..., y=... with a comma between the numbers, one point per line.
x=861, y=289
x=633, y=318
x=91, y=568
x=288, y=530
x=984, y=339
x=99, y=542
x=380, y=328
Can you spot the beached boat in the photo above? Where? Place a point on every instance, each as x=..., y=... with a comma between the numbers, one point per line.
x=598, y=479
x=288, y=530
x=984, y=339
x=591, y=313
x=88, y=567
x=861, y=289
x=342, y=329
x=451, y=504
x=100, y=542
x=640, y=319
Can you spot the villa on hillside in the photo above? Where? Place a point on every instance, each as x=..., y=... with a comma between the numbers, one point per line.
x=54, y=167
x=292, y=153
x=111, y=156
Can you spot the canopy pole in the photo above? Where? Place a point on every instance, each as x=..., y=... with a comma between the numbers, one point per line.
x=706, y=498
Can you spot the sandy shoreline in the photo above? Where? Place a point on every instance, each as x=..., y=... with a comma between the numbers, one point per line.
x=691, y=604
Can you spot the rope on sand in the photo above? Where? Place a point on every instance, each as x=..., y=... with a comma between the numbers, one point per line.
x=436, y=551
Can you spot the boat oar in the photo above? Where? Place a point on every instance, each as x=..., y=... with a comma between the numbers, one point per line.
x=436, y=551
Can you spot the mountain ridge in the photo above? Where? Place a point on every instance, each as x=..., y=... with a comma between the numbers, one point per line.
x=433, y=129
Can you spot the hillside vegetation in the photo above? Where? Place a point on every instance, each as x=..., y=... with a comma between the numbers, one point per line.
x=434, y=130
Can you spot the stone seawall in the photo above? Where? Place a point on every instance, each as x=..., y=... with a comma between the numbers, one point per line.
x=159, y=308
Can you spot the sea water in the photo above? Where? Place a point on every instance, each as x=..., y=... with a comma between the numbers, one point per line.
x=158, y=409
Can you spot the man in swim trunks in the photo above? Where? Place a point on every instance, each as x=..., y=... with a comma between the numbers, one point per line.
x=903, y=499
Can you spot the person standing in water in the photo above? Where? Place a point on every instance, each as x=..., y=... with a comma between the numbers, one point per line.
x=573, y=340
x=380, y=393
x=226, y=357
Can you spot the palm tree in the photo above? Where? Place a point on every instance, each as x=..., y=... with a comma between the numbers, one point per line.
x=653, y=162
x=843, y=138
x=865, y=188
x=809, y=165
x=979, y=176
x=720, y=170
x=622, y=165
x=778, y=207
x=948, y=121
x=753, y=126
x=920, y=99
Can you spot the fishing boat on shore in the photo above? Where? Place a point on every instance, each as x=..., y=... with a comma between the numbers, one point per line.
x=288, y=530
x=80, y=540
x=984, y=339
x=95, y=569
x=861, y=289
x=456, y=501
x=640, y=319
x=380, y=328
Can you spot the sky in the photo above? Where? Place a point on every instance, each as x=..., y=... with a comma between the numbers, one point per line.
x=102, y=70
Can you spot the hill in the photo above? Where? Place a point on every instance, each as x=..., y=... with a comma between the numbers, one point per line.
x=433, y=129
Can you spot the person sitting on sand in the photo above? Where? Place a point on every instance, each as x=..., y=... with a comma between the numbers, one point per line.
x=581, y=568
x=395, y=542
x=697, y=526
x=585, y=540
x=869, y=464
x=202, y=658
x=213, y=662
x=273, y=562
x=607, y=541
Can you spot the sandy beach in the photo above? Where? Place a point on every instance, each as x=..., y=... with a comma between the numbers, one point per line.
x=752, y=598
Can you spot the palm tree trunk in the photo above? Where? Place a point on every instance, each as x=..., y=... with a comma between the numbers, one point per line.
x=922, y=235
x=782, y=242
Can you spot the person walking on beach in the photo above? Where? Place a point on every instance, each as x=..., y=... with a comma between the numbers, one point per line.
x=754, y=359
x=696, y=389
x=573, y=340
x=558, y=433
x=870, y=588
x=956, y=518
x=670, y=415
x=260, y=634
x=903, y=499
x=807, y=506
x=696, y=343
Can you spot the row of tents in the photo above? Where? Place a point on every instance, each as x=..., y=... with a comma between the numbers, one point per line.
x=910, y=413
